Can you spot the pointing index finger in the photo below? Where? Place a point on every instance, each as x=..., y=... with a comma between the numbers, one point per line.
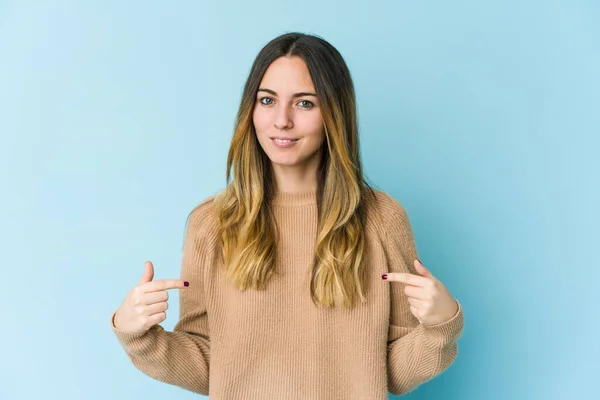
x=165, y=284
x=409, y=279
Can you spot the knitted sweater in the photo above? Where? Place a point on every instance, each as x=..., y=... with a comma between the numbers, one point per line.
x=276, y=344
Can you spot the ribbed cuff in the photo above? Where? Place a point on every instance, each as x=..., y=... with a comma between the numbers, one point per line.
x=132, y=342
x=448, y=331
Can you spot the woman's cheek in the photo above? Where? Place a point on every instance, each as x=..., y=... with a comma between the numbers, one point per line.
x=260, y=120
x=316, y=126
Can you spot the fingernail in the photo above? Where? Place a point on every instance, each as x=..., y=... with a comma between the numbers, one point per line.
x=186, y=283
x=384, y=276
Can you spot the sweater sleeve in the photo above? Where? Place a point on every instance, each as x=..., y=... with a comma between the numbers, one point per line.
x=180, y=357
x=416, y=353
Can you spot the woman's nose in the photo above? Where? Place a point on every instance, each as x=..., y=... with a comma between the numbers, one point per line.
x=284, y=119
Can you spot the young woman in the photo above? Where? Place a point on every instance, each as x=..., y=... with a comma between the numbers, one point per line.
x=299, y=280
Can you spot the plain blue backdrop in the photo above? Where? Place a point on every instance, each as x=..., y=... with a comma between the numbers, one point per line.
x=481, y=117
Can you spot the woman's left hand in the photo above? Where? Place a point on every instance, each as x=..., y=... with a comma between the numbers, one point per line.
x=430, y=301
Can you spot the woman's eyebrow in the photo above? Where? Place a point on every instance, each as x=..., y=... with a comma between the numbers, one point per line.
x=295, y=94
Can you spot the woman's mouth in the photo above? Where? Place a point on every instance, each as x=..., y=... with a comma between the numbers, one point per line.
x=284, y=142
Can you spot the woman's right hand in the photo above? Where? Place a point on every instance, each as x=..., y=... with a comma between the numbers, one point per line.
x=145, y=304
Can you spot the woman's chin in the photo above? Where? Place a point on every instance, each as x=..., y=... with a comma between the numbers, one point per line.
x=283, y=163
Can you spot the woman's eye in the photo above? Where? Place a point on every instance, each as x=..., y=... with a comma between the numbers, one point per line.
x=307, y=104
x=267, y=101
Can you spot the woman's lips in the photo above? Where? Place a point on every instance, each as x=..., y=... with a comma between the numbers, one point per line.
x=284, y=143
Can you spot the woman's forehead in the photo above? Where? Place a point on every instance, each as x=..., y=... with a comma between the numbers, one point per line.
x=288, y=76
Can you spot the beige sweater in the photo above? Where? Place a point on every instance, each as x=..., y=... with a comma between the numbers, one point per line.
x=275, y=344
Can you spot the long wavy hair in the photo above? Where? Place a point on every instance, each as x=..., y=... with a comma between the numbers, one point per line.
x=248, y=231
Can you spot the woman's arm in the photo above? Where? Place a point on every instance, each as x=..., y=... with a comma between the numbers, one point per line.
x=181, y=357
x=416, y=353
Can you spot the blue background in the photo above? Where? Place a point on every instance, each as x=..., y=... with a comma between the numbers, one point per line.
x=482, y=118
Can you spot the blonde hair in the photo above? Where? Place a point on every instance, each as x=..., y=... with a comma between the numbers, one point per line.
x=248, y=232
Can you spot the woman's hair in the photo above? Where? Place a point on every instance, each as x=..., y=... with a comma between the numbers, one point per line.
x=248, y=232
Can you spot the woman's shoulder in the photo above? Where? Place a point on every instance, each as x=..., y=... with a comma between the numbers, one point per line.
x=389, y=218
x=204, y=217
x=385, y=208
x=394, y=229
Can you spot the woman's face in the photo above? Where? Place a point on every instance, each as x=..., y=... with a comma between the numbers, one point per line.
x=287, y=107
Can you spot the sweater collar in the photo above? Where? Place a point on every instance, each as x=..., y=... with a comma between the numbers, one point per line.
x=294, y=199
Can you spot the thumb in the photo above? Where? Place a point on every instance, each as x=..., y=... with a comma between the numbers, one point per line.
x=148, y=273
x=422, y=270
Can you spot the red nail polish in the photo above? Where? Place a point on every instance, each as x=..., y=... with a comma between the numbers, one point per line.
x=384, y=276
x=186, y=283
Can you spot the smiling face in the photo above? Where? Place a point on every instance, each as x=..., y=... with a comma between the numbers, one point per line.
x=287, y=107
